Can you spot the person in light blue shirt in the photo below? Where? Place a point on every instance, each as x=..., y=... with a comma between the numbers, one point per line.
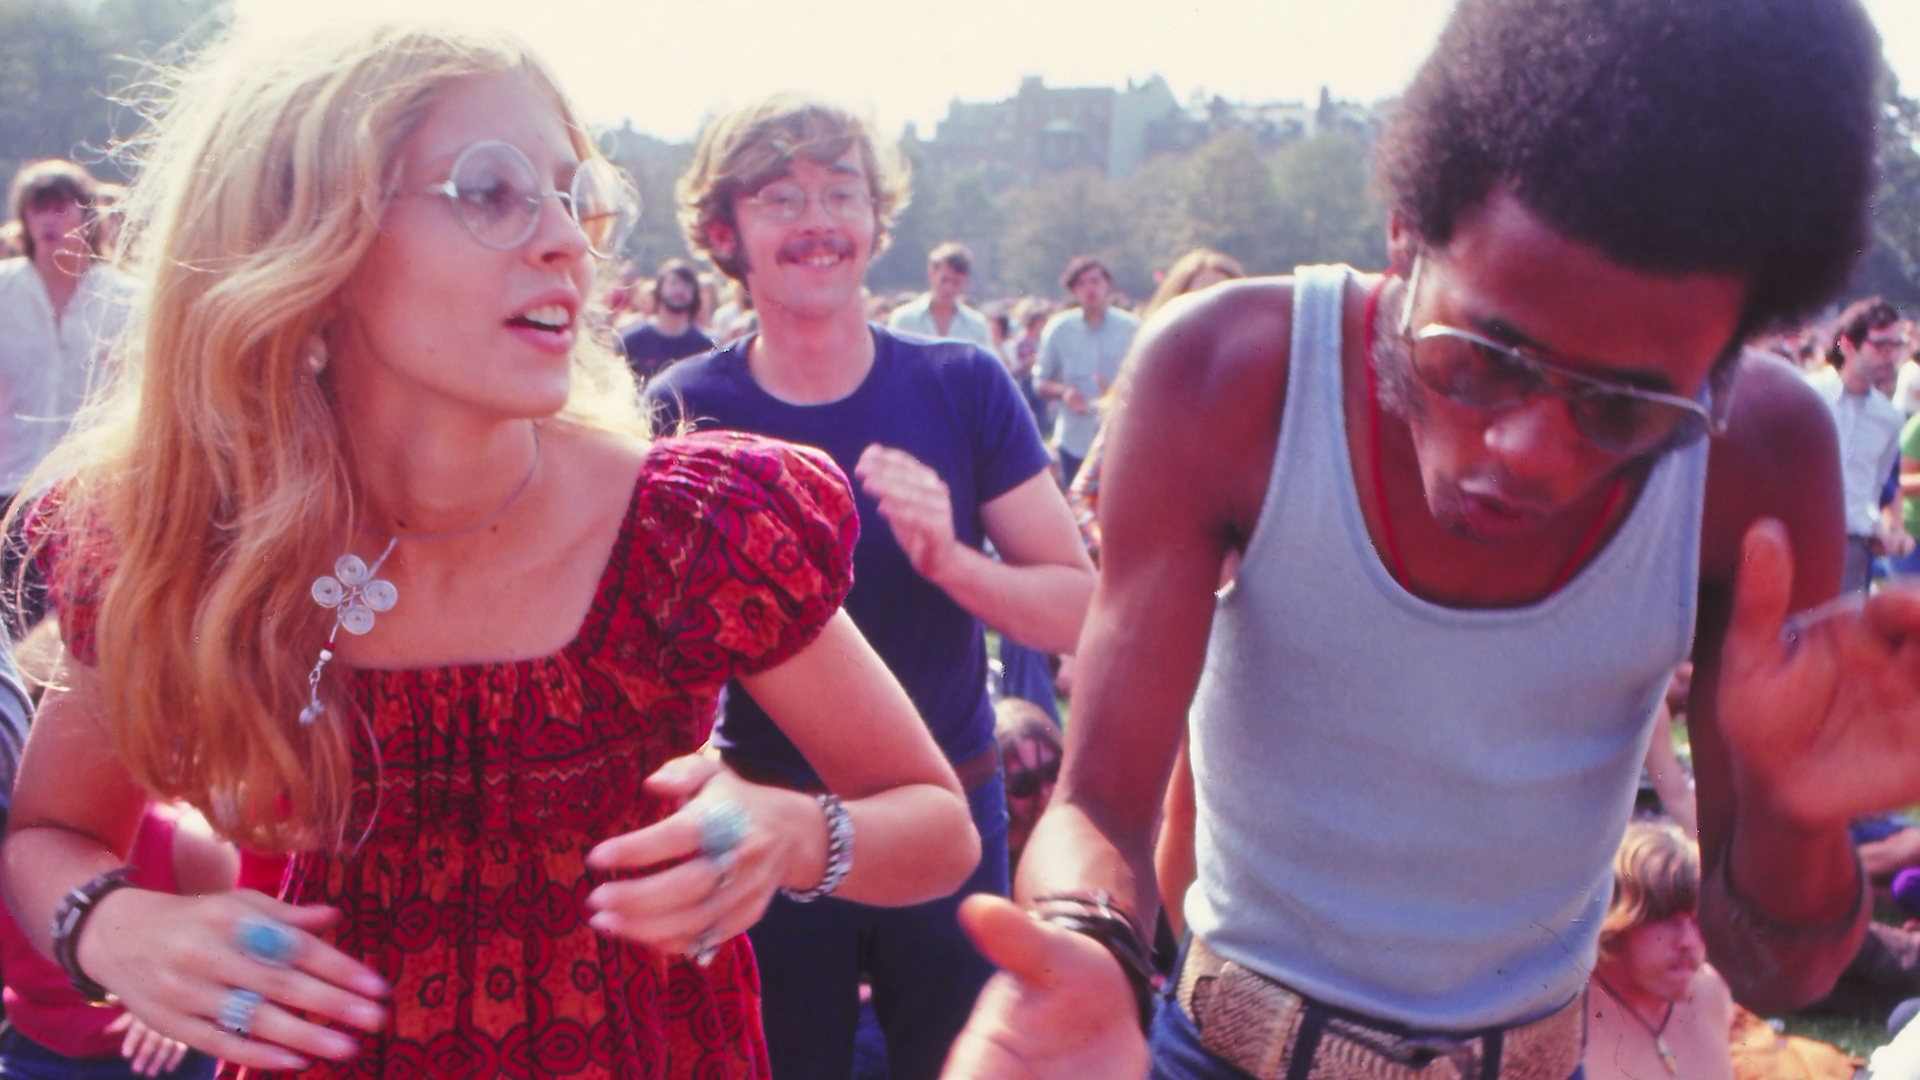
x=1080, y=355
x=939, y=313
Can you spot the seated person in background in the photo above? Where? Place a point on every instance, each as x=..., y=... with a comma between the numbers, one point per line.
x=1030, y=751
x=1655, y=1007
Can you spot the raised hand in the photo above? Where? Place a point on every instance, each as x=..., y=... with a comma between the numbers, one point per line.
x=691, y=907
x=176, y=963
x=1060, y=1008
x=1821, y=716
x=915, y=503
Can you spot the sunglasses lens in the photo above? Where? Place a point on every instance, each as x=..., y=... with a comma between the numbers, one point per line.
x=1468, y=373
x=605, y=205
x=494, y=194
x=1628, y=426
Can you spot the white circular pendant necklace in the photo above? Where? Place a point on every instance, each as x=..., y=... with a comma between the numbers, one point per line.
x=356, y=595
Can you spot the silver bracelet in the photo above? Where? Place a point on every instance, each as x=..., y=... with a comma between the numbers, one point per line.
x=839, y=852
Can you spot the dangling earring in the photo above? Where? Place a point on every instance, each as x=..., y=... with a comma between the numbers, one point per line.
x=317, y=353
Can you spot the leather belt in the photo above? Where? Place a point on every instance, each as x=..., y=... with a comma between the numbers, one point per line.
x=1272, y=1032
x=973, y=773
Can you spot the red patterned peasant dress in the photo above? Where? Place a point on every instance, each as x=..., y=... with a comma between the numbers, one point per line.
x=496, y=779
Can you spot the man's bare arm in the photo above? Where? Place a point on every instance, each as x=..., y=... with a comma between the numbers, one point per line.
x=1779, y=462
x=1185, y=474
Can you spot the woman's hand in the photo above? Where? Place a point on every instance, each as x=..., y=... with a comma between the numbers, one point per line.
x=148, y=1052
x=688, y=908
x=174, y=961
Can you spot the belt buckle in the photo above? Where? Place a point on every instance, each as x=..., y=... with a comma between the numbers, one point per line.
x=1468, y=1053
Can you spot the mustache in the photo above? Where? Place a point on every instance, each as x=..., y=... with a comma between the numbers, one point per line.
x=806, y=247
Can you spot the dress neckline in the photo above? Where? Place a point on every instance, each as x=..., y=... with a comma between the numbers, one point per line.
x=584, y=635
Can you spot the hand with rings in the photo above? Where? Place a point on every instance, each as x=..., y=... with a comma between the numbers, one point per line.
x=237, y=975
x=735, y=856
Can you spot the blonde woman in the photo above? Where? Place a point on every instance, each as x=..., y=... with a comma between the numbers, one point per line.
x=368, y=561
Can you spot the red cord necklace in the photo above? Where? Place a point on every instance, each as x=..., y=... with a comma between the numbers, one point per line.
x=1396, y=565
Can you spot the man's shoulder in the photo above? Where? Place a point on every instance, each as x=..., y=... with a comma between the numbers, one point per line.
x=1217, y=356
x=1778, y=457
x=911, y=310
x=944, y=356
x=15, y=273
x=1064, y=317
x=696, y=374
x=1885, y=411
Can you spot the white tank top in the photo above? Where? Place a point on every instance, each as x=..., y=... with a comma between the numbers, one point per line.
x=1410, y=810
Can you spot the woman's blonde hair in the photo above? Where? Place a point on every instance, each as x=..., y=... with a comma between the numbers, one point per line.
x=1656, y=875
x=1181, y=275
x=212, y=477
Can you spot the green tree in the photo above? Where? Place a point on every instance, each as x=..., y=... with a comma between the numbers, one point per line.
x=1160, y=202
x=62, y=69
x=1892, y=264
x=1078, y=212
x=1326, y=210
x=1232, y=204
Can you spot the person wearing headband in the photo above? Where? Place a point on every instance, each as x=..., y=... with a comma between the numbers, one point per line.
x=369, y=558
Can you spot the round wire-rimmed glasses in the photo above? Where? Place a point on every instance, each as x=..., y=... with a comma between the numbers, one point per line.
x=497, y=196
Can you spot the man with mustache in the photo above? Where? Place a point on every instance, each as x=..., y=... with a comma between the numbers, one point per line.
x=794, y=198
x=1480, y=520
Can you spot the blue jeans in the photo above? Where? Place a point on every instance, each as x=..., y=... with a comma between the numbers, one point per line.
x=925, y=973
x=23, y=1059
x=1178, y=1055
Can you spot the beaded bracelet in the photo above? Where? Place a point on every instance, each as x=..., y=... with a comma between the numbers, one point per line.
x=1113, y=929
x=839, y=852
x=68, y=919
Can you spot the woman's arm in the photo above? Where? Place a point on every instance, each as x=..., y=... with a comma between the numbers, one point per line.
x=171, y=960
x=913, y=835
x=852, y=720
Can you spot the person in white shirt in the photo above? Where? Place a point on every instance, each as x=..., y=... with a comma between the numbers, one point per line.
x=1868, y=341
x=1081, y=351
x=939, y=312
x=60, y=309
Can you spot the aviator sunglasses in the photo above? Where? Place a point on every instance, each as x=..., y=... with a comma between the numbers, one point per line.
x=1478, y=372
x=497, y=196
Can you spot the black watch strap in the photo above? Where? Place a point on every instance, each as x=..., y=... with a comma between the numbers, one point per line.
x=68, y=919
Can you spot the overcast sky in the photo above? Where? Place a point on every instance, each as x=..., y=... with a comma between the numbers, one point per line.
x=668, y=65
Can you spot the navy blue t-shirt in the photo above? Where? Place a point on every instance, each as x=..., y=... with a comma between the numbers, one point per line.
x=648, y=350
x=953, y=407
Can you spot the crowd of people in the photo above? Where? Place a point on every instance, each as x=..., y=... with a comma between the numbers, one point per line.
x=448, y=652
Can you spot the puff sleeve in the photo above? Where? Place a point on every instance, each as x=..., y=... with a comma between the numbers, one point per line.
x=751, y=545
